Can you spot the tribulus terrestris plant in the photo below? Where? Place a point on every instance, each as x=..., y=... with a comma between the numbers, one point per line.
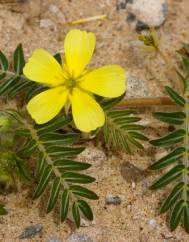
x=51, y=102
x=54, y=100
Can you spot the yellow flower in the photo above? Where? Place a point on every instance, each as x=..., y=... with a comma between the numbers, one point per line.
x=73, y=84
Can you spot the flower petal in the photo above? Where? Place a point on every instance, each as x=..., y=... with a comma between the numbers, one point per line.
x=87, y=113
x=42, y=67
x=46, y=105
x=107, y=81
x=78, y=46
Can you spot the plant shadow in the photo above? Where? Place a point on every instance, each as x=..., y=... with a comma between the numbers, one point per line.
x=132, y=173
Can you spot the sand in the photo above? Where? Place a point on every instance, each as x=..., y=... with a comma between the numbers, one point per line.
x=43, y=24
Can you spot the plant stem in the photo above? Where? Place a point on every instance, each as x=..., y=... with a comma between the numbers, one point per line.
x=11, y=74
x=146, y=102
x=186, y=145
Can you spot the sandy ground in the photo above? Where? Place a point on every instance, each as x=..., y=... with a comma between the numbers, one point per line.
x=136, y=219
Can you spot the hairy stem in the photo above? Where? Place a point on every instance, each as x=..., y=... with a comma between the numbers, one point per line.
x=13, y=74
x=186, y=145
x=144, y=102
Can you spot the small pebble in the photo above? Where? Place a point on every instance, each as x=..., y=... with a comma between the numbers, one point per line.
x=46, y=23
x=148, y=12
x=114, y=200
x=152, y=223
x=133, y=184
x=86, y=223
x=31, y=231
x=54, y=9
x=57, y=12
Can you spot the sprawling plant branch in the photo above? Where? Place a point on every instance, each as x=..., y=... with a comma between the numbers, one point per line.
x=47, y=157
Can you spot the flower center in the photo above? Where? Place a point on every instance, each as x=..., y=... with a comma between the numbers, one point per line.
x=70, y=83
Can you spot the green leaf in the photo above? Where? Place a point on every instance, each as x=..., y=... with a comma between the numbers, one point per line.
x=28, y=148
x=59, y=151
x=175, y=155
x=77, y=178
x=132, y=127
x=173, y=197
x=116, y=139
x=57, y=123
x=170, y=118
x=23, y=169
x=83, y=192
x=185, y=62
x=137, y=135
x=176, y=214
x=34, y=89
x=23, y=132
x=59, y=139
x=134, y=142
x=70, y=165
x=40, y=164
x=170, y=139
x=126, y=120
x=169, y=176
x=3, y=210
x=76, y=215
x=20, y=86
x=64, y=205
x=110, y=103
x=54, y=194
x=120, y=113
x=14, y=114
x=4, y=87
x=4, y=65
x=183, y=78
x=43, y=181
x=175, y=96
x=123, y=130
x=85, y=208
x=186, y=217
x=19, y=61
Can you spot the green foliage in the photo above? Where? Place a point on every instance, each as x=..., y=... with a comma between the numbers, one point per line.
x=121, y=129
x=171, y=118
x=177, y=202
x=170, y=139
x=54, y=145
x=175, y=96
x=54, y=150
x=184, y=52
x=11, y=165
x=12, y=81
x=19, y=61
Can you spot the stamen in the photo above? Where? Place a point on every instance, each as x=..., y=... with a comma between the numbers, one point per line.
x=70, y=83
